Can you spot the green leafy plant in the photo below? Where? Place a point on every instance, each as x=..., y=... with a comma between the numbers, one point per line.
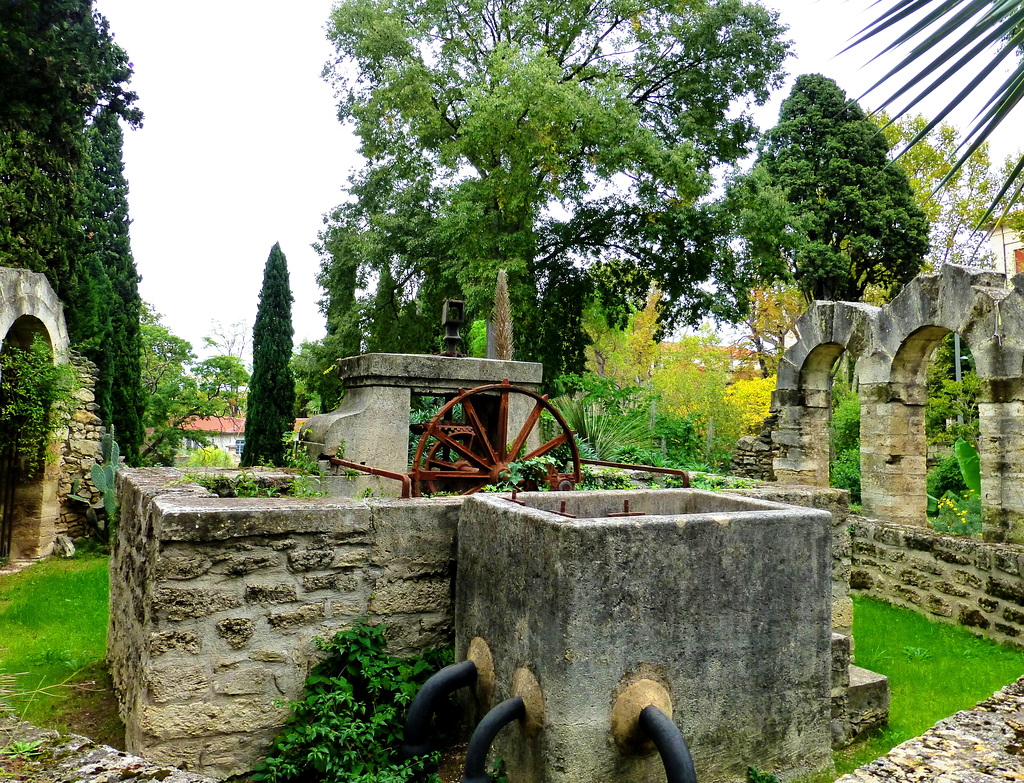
x=209, y=457
x=349, y=724
x=959, y=515
x=304, y=486
x=35, y=400
x=22, y=750
x=970, y=465
x=102, y=475
x=754, y=775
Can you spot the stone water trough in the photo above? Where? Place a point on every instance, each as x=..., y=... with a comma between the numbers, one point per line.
x=723, y=601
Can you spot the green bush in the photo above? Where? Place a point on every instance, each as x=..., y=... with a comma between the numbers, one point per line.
x=845, y=472
x=348, y=727
x=209, y=457
x=946, y=477
x=845, y=426
x=959, y=514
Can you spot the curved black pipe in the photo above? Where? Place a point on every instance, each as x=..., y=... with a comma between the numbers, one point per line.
x=417, y=723
x=476, y=755
x=668, y=739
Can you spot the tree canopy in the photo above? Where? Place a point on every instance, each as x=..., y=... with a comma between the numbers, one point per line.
x=956, y=209
x=59, y=66
x=272, y=387
x=823, y=206
x=548, y=139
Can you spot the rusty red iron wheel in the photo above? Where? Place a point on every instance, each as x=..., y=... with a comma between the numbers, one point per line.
x=467, y=445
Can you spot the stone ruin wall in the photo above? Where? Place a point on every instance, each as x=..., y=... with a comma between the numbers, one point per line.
x=80, y=450
x=952, y=579
x=753, y=455
x=215, y=604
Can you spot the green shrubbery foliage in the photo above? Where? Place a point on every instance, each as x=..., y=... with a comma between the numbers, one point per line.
x=348, y=726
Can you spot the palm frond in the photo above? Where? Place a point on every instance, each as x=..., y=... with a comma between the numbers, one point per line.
x=945, y=40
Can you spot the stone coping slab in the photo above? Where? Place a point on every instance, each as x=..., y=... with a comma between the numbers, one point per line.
x=426, y=374
x=973, y=746
x=64, y=758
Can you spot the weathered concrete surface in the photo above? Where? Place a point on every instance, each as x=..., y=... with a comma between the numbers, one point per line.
x=215, y=603
x=892, y=346
x=722, y=600
x=982, y=745
x=70, y=758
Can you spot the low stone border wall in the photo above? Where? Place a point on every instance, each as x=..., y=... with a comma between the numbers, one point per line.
x=958, y=580
x=981, y=745
x=215, y=602
x=64, y=758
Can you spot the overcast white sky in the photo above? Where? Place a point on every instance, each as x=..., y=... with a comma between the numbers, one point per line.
x=241, y=146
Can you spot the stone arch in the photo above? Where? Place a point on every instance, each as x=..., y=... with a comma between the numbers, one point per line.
x=895, y=344
x=29, y=307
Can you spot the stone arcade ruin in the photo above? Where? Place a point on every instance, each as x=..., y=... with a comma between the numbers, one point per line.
x=892, y=345
x=30, y=509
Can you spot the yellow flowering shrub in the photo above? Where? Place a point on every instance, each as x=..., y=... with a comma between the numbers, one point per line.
x=752, y=399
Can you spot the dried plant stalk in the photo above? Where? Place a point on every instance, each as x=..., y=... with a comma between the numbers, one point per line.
x=504, y=343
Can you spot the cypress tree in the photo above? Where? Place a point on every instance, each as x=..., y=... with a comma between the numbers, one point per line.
x=272, y=386
x=109, y=248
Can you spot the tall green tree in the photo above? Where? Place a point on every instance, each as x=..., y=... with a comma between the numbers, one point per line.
x=115, y=278
x=59, y=66
x=272, y=389
x=824, y=207
x=542, y=138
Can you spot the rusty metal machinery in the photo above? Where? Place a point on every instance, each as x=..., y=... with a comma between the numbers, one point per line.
x=468, y=444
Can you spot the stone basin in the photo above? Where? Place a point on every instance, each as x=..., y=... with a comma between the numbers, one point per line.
x=722, y=600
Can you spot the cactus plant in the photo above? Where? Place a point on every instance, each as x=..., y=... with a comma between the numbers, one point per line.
x=102, y=474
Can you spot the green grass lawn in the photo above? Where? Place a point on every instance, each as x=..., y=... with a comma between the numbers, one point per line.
x=934, y=670
x=53, y=644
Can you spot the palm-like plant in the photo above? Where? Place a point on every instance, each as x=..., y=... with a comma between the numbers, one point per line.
x=947, y=39
x=601, y=434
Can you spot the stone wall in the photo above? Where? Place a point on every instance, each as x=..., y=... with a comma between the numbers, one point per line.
x=214, y=605
x=753, y=455
x=957, y=580
x=80, y=450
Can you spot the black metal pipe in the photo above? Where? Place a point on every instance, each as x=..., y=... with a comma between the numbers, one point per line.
x=668, y=739
x=417, y=722
x=475, y=770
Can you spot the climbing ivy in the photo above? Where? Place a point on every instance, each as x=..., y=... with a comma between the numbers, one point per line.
x=35, y=400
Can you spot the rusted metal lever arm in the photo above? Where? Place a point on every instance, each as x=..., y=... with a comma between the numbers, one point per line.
x=403, y=477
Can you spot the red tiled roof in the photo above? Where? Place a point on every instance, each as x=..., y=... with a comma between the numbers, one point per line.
x=223, y=424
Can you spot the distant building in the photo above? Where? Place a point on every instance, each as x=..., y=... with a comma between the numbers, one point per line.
x=224, y=432
x=1008, y=250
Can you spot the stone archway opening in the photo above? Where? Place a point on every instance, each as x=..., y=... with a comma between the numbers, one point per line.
x=28, y=482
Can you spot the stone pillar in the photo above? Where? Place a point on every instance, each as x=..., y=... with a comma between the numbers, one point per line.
x=801, y=436
x=1001, y=451
x=893, y=453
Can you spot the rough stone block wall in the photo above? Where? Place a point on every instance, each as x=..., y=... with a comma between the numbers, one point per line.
x=964, y=581
x=215, y=604
x=754, y=454
x=80, y=450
